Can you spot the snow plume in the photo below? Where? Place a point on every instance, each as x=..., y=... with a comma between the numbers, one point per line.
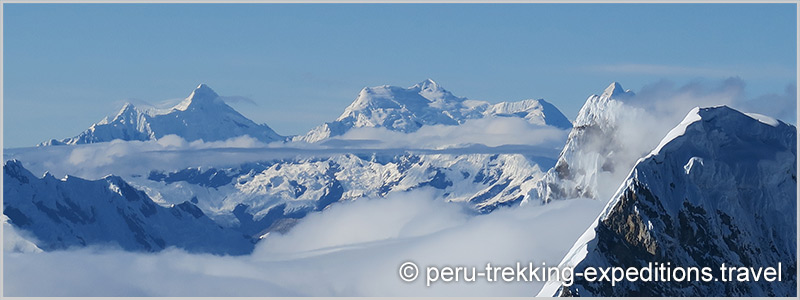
x=665, y=98
x=230, y=100
x=781, y=106
x=488, y=131
x=352, y=249
x=597, y=158
x=663, y=104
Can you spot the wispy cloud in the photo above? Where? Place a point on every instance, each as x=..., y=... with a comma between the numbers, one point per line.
x=489, y=131
x=238, y=99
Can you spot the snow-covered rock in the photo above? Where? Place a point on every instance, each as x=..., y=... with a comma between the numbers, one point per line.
x=427, y=103
x=721, y=188
x=73, y=212
x=591, y=153
x=201, y=116
x=257, y=197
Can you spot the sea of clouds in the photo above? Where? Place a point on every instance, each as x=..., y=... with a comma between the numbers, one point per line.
x=351, y=249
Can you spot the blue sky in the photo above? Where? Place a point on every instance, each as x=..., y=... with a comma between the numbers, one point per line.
x=68, y=65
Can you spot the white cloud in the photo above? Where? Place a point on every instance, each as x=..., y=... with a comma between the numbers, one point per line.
x=17, y=241
x=118, y=157
x=489, y=131
x=171, y=152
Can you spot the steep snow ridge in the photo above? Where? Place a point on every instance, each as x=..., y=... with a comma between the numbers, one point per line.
x=73, y=212
x=202, y=97
x=693, y=116
x=426, y=103
x=590, y=154
x=722, y=189
x=201, y=116
x=615, y=90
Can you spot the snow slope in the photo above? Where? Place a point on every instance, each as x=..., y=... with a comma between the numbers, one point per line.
x=720, y=188
x=201, y=116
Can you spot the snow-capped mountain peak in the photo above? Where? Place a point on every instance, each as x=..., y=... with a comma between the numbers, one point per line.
x=615, y=90
x=126, y=113
x=427, y=84
x=432, y=91
x=592, y=150
x=203, y=115
x=427, y=103
x=720, y=189
x=203, y=95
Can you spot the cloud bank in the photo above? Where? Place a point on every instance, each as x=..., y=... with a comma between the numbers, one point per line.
x=352, y=249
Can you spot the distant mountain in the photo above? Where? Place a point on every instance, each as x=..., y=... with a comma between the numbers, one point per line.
x=592, y=148
x=73, y=212
x=251, y=199
x=201, y=116
x=721, y=188
x=262, y=195
x=427, y=103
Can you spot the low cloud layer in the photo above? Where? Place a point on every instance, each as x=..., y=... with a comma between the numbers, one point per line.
x=351, y=249
x=93, y=161
x=171, y=152
x=489, y=131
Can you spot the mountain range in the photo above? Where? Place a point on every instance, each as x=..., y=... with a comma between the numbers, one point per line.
x=205, y=116
x=720, y=187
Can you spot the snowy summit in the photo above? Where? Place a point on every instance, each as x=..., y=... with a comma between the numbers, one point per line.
x=427, y=103
x=201, y=116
